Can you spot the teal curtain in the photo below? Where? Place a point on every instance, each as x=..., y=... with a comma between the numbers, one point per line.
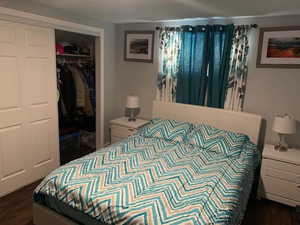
x=220, y=43
x=194, y=63
x=192, y=72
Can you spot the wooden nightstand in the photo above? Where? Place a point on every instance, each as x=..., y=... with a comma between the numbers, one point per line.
x=280, y=176
x=121, y=128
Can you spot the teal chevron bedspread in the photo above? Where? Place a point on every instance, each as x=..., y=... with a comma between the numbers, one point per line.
x=152, y=181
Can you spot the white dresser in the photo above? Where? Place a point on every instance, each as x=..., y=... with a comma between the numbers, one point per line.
x=280, y=176
x=121, y=128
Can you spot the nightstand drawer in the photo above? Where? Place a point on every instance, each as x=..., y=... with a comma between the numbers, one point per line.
x=116, y=139
x=291, y=177
x=281, y=188
x=278, y=165
x=122, y=132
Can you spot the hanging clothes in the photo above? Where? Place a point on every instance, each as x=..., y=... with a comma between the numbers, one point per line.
x=88, y=108
x=77, y=91
x=67, y=96
x=80, y=87
x=88, y=71
x=68, y=91
x=76, y=99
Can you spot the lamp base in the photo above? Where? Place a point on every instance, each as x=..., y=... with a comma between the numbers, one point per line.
x=282, y=145
x=280, y=148
x=131, y=119
x=131, y=113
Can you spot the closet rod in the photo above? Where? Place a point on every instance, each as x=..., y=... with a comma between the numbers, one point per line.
x=74, y=55
x=254, y=25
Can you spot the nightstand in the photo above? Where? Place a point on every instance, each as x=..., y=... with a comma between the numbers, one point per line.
x=121, y=128
x=280, y=176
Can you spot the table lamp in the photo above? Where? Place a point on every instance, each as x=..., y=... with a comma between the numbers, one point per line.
x=283, y=125
x=132, y=107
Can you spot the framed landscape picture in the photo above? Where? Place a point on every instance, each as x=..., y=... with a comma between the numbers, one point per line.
x=279, y=47
x=139, y=46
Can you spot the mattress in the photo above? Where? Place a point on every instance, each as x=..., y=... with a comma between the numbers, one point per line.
x=152, y=181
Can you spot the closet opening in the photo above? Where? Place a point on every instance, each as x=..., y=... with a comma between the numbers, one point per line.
x=76, y=94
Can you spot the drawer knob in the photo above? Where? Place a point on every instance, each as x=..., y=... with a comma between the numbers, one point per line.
x=131, y=129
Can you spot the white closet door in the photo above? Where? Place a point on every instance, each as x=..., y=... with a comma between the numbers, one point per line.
x=40, y=100
x=13, y=164
x=28, y=110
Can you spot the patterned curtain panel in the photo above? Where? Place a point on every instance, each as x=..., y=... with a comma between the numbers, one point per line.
x=169, y=48
x=238, y=71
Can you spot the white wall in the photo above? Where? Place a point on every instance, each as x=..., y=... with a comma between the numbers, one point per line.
x=134, y=77
x=109, y=48
x=269, y=91
x=272, y=91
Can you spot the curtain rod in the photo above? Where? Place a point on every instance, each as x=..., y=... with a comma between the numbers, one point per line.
x=254, y=25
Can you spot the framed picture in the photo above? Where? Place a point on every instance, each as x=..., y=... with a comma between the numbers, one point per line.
x=279, y=47
x=139, y=46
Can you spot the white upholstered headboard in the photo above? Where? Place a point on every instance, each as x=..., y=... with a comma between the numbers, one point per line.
x=240, y=122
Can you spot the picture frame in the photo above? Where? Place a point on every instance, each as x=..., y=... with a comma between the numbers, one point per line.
x=139, y=46
x=279, y=47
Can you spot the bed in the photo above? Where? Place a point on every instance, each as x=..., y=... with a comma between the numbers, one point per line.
x=152, y=180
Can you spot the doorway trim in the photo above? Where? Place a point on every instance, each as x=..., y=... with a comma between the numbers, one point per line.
x=17, y=16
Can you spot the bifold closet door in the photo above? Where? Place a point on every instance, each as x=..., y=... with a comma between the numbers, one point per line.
x=28, y=110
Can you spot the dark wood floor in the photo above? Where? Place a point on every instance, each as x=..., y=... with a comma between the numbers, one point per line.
x=16, y=209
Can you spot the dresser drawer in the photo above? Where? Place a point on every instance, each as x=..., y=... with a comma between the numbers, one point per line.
x=122, y=132
x=282, y=166
x=281, y=188
x=283, y=175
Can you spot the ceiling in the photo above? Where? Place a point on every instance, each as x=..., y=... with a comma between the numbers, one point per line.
x=121, y=11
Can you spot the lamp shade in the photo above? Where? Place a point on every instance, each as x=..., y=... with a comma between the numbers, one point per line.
x=132, y=102
x=284, y=125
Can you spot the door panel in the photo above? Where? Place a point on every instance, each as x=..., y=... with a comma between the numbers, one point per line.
x=28, y=110
x=10, y=116
x=12, y=163
x=41, y=100
x=8, y=39
x=39, y=112
x=37, y=79
x=9, y=83
x=40, y=142
x=43, y=157
x=13, y=166
x=8, y=33
x=37, y=42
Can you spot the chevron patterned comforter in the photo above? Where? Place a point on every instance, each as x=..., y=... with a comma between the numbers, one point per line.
x=152, y=181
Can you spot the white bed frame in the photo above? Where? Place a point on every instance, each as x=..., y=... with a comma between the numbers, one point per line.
x=240, y=122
